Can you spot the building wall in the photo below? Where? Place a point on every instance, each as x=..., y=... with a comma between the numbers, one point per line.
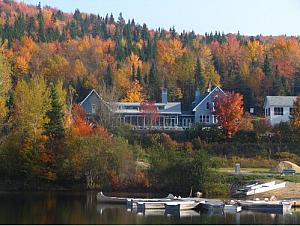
x=93, y=99
x=275, y=119
x=202, y=108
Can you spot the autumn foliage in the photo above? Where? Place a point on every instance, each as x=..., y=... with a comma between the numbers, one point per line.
x=229, y=110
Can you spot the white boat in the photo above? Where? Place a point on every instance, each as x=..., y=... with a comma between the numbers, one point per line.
x=232, y=208
x=266, y=206
x=259, y=188
x=132, y=202
x=183, y=205
x=162, y=205
x=120, y=200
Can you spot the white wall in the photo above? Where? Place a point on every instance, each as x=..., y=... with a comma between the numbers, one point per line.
x=275, y=119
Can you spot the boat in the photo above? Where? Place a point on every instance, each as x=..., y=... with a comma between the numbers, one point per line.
x=212, y=205
x=120, y=200
x=182, y=205
x=132, y=202
x=162, y=205
x=232, y=208
x=266, y=206
x=108, y=199
x=259, y=188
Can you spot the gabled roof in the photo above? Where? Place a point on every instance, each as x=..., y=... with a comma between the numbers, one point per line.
x=280, y=100
x=93, y=91
x=215, y=89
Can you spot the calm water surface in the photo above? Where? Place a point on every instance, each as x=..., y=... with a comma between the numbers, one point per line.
x=82, y=208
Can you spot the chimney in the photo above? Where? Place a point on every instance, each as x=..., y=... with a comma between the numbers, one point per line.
x=164, y=96
x=209, y=87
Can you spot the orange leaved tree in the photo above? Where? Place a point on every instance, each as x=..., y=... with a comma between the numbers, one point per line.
x=229, y=110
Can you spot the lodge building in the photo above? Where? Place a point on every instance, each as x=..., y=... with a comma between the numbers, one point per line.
x=169, y=114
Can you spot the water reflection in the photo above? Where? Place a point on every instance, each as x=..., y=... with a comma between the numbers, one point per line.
x=82, y=208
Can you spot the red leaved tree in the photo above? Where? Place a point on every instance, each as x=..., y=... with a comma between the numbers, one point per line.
x=229, y=110
x=83, y=128
x=150, y=111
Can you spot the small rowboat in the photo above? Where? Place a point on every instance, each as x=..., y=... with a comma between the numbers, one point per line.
x=266, y=206
x=232, y=208
x=167, y=204
x=121, y=200
x=183, y=205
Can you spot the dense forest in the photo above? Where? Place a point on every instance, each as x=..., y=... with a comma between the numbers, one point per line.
x=88, y=51
x=50, y=60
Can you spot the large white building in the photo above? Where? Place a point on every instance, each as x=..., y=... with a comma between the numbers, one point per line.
x=278, y=108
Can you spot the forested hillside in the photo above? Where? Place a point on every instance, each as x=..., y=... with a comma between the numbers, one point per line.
x=87, y=51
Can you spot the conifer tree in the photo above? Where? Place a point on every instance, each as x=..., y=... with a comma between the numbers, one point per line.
x=41, y=29
x=55, y=126
x=267, y=66
x=108, y=76
x=199, y=78
x=139, y=75
x=132, y=73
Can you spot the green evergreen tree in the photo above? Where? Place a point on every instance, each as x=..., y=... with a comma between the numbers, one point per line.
x=31, y=26
x=133, y=73
x=108, y=79
x=73, y=29
x=153, y=83
x=41, y=29
x=267, y=66
x=55, y=126
x=199, y=78
x=139, y=75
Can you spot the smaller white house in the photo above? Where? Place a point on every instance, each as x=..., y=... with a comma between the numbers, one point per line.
x=278, y=108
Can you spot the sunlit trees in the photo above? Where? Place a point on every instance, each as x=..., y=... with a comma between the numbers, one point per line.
x=5, y=86
x=135, y=93
x=229, y=110
x=295, y=115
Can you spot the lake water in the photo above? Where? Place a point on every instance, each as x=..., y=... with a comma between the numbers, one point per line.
x=82, y=208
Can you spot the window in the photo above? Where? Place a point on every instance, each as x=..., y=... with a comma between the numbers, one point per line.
x=207, y=106
x=291, y=111
x=207, y=118
x=201, y=119
x=278, y=111
x=215, y=118
x=93, y=109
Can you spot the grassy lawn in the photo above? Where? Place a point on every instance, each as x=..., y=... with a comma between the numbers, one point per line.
x=248, y=170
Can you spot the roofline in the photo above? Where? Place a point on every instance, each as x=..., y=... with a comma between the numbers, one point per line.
x=194, y=109
x=93, y=90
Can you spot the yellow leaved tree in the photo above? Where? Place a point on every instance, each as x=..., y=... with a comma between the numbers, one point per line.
x=134, y=93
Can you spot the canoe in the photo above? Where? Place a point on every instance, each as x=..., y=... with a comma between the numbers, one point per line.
x=266, y=206
x=118, y=200
x=107, y=199
x=132, y=202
